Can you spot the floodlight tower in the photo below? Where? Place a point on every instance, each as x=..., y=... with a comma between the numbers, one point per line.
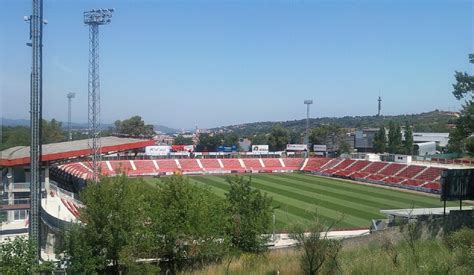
x=36, y=96
x=95, y=18
x=306, y=137
x=380, y=106
x=70, y=96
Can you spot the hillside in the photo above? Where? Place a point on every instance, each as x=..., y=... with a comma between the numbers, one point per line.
x=435, y=121
x=74, y=125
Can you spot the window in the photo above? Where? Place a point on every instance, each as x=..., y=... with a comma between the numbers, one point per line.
x=20, y=215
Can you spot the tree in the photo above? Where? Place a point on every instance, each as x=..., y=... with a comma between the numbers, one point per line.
x=231, y=139
x=125, y=220
x=181, y=140
x=134, y=127
x=470, y=146
x=380, y=141
x=278, y=138
x=18, y=256
x=320, y=255
x=394, y=138
x=14, y=136
x=249, y=213
x=209, y=143
x=114, y=214
x=344, y=148
x=260, y=139
x=52, y=131
x=408, y=142
x=330, y=135
x=464, y=82
x=190, y=224
x=463, y=88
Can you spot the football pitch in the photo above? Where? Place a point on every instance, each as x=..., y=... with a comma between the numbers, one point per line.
x=299, y=198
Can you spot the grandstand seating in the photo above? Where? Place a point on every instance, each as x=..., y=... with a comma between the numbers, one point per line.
x=167, y=165
x=374, y=167
x=393, y=180
x=118, y=166
x=232, y=165
x=344, y=164
x=396, y=174
x=359, y=175
x=330, y=164
x=189, y=165
x=271, y=164
x=376, y=177
x=315, y=164
x=210, y=164
x=253, y=164
x=432, y=185
x=292, y=163
x=430, y=174
x=358, y=166
x=144, y=167
x=413, y=182
x=72, y=207
x=411, y=171
x=392, y=169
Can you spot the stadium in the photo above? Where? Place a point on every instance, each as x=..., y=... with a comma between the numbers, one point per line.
x=131, y=197
x=353, y=188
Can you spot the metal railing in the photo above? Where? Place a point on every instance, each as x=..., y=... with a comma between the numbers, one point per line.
x=24, y=185
x=15, y=201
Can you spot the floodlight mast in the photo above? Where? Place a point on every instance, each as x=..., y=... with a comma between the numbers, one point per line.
x=95, y=18
x=70, y=96
x=306, y=138
x=36, y=22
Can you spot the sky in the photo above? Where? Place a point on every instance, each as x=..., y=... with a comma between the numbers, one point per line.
x=213, y=63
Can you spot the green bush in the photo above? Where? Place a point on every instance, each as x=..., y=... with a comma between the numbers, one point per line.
x=461, y=243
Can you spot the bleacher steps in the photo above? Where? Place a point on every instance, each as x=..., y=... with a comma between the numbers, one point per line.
x=133, y=165
x=109, y=166
x=220, y=163
x=177, y=163
x=242, y=164
x=261, y=163
x=304, y=164
x=363, y=168
x=200, y=164
x=401, y=170
x=85, y=166
x=156, y=164
x=332, y=166
x=282, y=162
x=383, y=168
x=354, y=162
x=421, y=172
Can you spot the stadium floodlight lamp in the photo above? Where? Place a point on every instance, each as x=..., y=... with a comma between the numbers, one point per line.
x=308, y=101
x=98, y=16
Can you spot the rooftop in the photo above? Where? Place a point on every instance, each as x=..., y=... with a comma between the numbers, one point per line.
x=20, y=155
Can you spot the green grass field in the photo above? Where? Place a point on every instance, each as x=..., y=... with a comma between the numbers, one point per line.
x=299, y=197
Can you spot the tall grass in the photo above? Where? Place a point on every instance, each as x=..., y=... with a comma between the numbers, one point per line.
x=434, y=258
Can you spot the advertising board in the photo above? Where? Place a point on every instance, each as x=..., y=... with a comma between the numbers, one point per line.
x=320, y=148
x=296, y=147
x=457, y=184
x=227, y=149
x=260, y=148
x=160, y=150
x=182, y=148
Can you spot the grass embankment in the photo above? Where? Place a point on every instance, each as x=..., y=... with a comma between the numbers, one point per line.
x=374, y=258
x=298, y=197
